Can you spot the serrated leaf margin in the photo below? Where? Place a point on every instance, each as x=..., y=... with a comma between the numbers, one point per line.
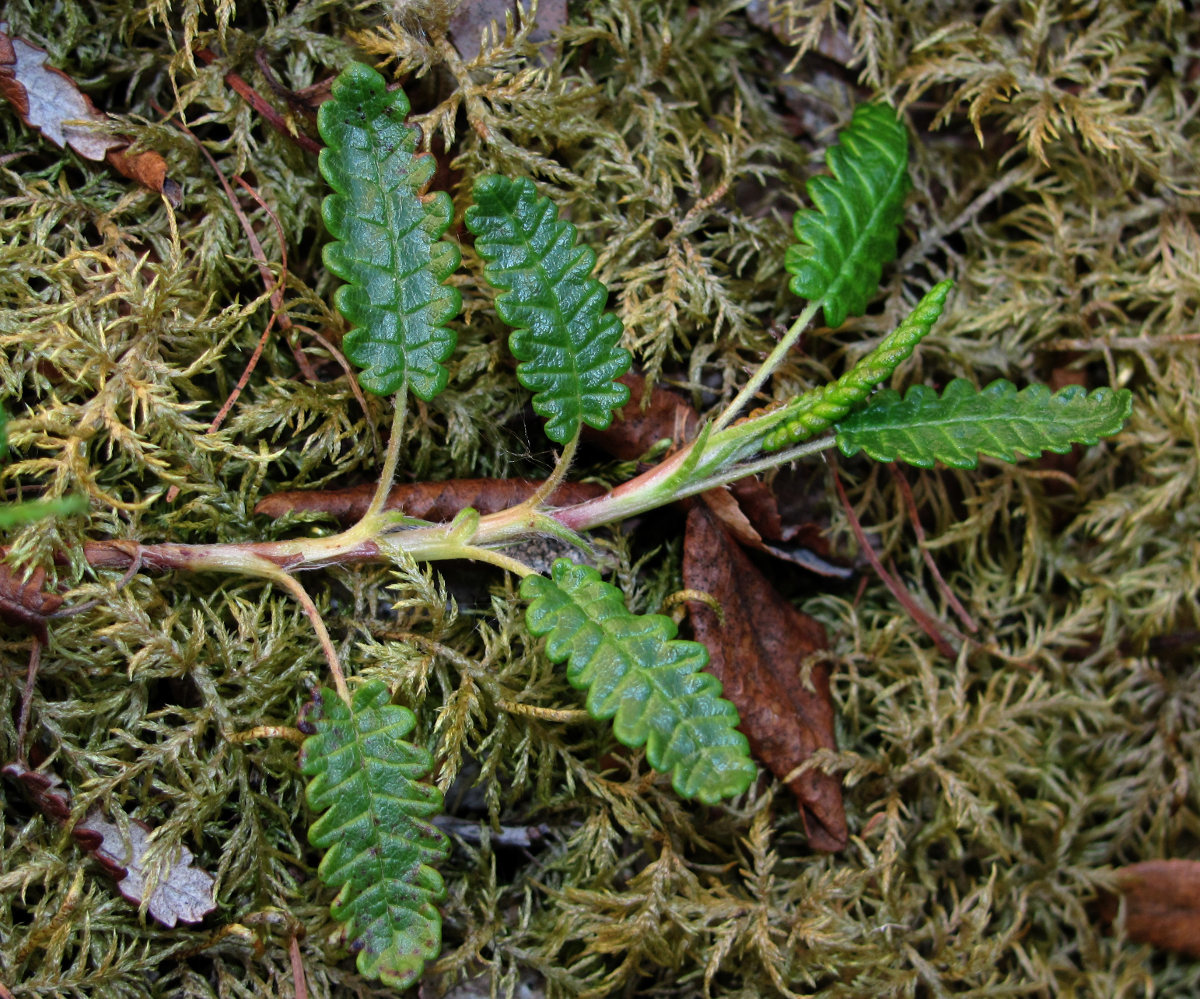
x=386, y=238
x=820, y=408
x=567, y=345
x=622, y=660
x=844, y=241
x=923, y=427
x=362, y=744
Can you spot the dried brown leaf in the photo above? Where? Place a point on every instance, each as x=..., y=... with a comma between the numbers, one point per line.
x=47, y=99
x=471, y=18
x=45, y=790
x=1162, y=904
x=642, y=423
x=725, y=508
x=433, y=501
x=759, y=655
x=148, y=169
x=25, y=602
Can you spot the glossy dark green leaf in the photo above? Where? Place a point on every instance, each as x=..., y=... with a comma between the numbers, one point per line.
x=964, y=422
x=567, y=344
x=386, y=232
x=379, y=847
x=637, y=673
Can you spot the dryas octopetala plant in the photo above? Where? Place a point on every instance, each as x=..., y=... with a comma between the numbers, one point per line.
x=372, y=808
x=388, y=247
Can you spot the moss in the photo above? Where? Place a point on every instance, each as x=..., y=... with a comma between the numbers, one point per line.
x=990, y=797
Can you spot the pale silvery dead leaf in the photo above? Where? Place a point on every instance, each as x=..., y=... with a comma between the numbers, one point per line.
x=183, y=892
x=47, y=99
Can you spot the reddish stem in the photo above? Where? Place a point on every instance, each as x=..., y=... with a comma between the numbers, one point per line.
x=256, y=101
x=927, y=622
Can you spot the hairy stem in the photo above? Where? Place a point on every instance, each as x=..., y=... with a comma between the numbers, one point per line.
x=709, y=461
x=742, y=399
x=293, y=586
x=546, y=489
x=388, y=473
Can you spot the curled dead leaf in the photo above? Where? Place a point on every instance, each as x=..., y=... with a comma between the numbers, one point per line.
x=1161, y=904
x=183, y=893
x=48, y=100
x=25, y=601
x=432, y=501
x=45, y=790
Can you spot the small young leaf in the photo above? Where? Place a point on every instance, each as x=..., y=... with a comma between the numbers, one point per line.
x=845, y=241
x=379, y=848
x=964, y=422
x=822, y=407
x=386, y=233
x=566, y=343
x=636, y=672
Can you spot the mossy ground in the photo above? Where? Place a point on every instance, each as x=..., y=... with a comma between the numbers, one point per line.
x=1055, y=165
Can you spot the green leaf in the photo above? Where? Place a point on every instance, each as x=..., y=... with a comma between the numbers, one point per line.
x=923, y=428
x=378, y=847
x=566, y=343
x=651, y=684
x=845, y=241
x=15, y=514
x=822, y=407
x=386, y=231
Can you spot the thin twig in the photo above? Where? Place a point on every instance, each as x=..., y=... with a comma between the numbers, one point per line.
x=928, y=624
x=35, y=660
x=274, y=287
x=338, y=356
x=242, y=382
x=919, y=531
x=256, y=101
x=260, y=257
x=299, y=986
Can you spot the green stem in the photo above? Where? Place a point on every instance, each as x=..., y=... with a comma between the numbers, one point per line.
x=753, y=468
x=713, y=459
x=742, y=399
x=546, y=489
x=314, y=616
x=388, y=474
